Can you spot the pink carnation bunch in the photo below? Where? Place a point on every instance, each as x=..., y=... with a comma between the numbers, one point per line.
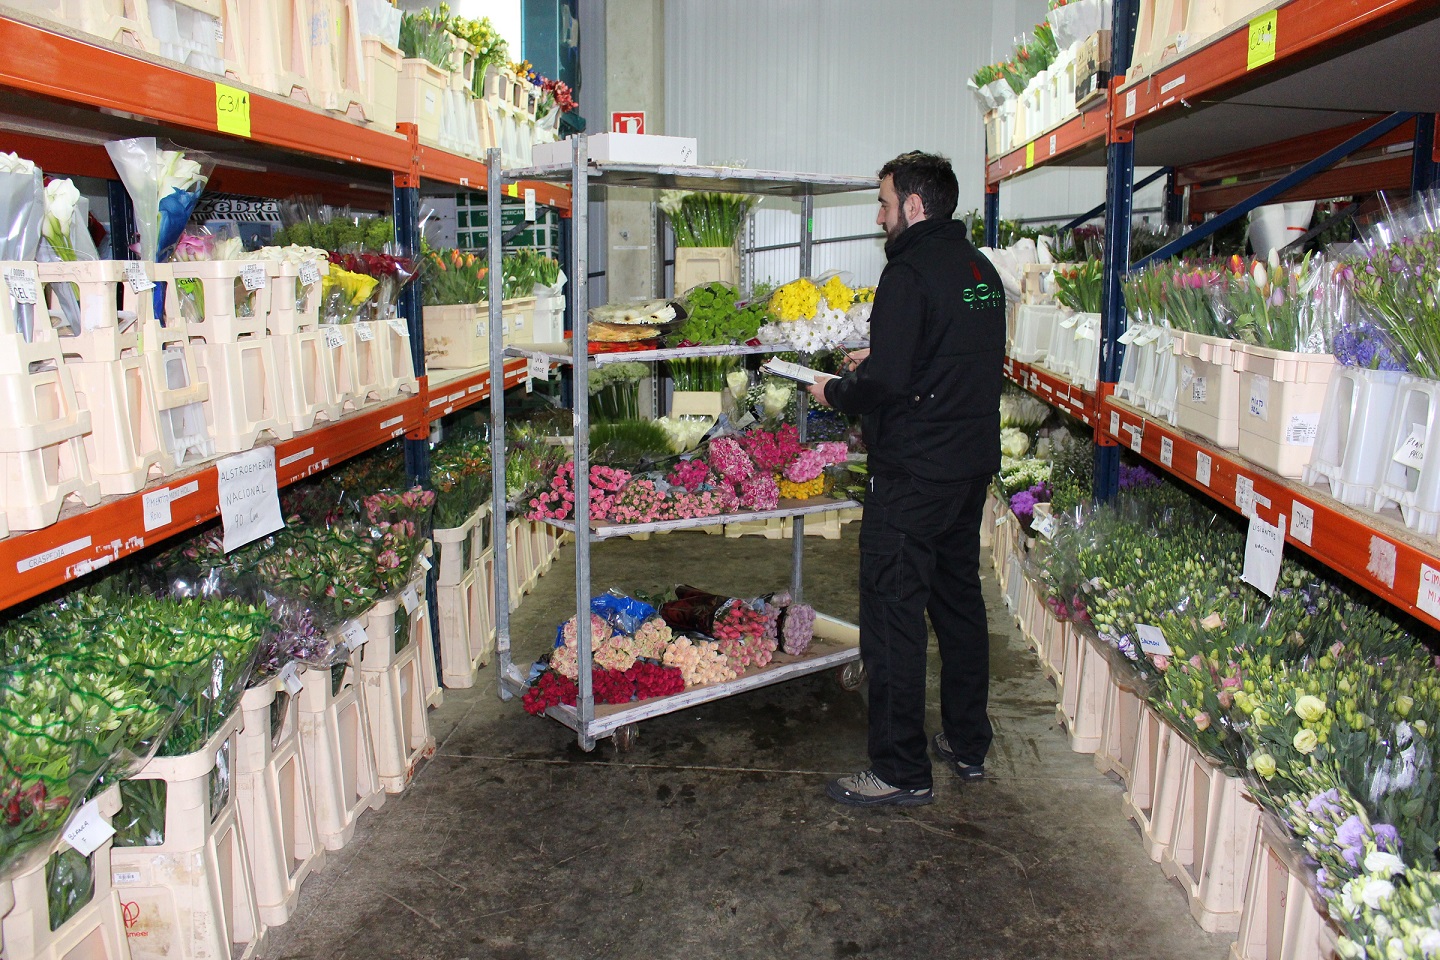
x=805, y=467
x=639, y=502
x=690, y=474
x=729, y=460
x=760, y=493
x=558, y=501
x=835, y=452
x=772, y=451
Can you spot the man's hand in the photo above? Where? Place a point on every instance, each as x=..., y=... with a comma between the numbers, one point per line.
x=853, y=358
x=817, y=390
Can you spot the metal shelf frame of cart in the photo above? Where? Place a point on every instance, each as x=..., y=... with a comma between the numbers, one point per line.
x=837, y=642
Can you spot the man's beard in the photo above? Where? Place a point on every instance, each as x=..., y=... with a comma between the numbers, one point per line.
x=902, y=223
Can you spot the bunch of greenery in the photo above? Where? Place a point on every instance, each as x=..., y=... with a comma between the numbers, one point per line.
x=523, y=269
x=633, y=445
x=705, y=219
x=343, y=232
x=715, y=314
x=425, y=35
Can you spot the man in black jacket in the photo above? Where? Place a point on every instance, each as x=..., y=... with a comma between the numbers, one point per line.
x=928, y=391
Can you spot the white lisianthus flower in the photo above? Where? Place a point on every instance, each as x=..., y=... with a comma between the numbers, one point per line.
x=1376, y=892
x=738, y=381
x=1013, y=442
x=1310, y=708
x=1264, y=764
x=776, y=397
x=1429, y=941
x=1378, y=861
x=1306, y=741
x=13, y=163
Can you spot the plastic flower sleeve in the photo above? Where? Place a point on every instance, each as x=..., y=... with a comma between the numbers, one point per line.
x=164, y=183
x=66, y=237
x=22, y=211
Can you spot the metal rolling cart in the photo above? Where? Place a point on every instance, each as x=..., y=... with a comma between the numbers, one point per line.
x=836, y=644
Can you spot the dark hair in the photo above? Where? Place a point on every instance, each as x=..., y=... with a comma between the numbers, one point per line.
x=930, y=176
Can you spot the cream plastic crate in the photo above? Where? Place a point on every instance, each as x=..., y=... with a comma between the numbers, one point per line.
x=191, y=32
x=823, y=525
x=1349, y=453
x=516, y=316
x=1081, y=710
x=369, y=365
x=381, y=81
x=1166, y=756
x=1035, y=326
x=1205, y=18
x=125, y=22
x=523, y=568
x=1116, y=752
x=543, y=546
x=1208, y=402
x=463, y=642
x=339, y=753
x=421, y=97
x=399, y=623
x=1055, y=638
x=1139, y=795
x=112, y=381
x=1282, y=397
x=695, y=266
x=272, y=790
x=193, y=895
x=399, y=727
x=233, y=352
x=337, y=59
x=95, y=931
x=1158, y=35
x=697, y=403
x=457, y=337
x=1084, y=370
x=180, y=393
x=397, y=362
x=457, y=550
x=267, y=45
x=42, y=445
x=305, y=370
x=340, y=340
x=772, y=529
x=459, y=130
x=1214, y=843
x=1416, y=491
x=1281, y=919
x=548, y=323
x=1159, y=375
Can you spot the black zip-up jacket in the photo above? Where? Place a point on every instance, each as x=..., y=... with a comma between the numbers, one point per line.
x=929, y=393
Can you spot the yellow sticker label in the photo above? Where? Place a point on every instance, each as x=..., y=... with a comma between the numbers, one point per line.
x=232, y=110
x=1029, y=154
x=1262, y=40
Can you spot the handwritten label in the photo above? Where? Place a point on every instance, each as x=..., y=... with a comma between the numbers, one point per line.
x=354, y=634
x=537, y=368
x=1114, y=424
x=51, y=555
x=399, y=327
x=1052, y=144
x=1264, y=544
x=23, y=286
x=1412, y=451
x=309, y=273
x=529, y=205
x=1152, y=640
x=1260, y=397
x=1244, y=494
x=137, y=278
x=363, y=331
x=249, y=497
x=1198, y=391
x=1202, y=468
x=1303, y=520
x=1130, y=103
x=1167, y=452
x=334, y=336
x=1262, y=40
x=1302, y=429
x=410, y=598
x=232, y=110
x=155, y=509
x=1029, y=154
x=425, y=562
x=252, y=275
x=290, y=676
x=1137, y=436
x=1428, y=599
x=87, y=830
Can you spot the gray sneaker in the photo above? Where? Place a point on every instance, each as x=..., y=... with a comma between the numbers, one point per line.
x=867, y=790
x=965, y=771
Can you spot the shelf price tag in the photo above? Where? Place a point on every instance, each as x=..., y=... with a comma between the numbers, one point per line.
x=537, y=368
x=23, y=287
x=354, y=634
x=1264, y=543
x=232, y=110
x=1045, y=526
x=1029, y=154
x=1137, y=436
x=1167, y=452
x=1114, y=424
x=529, y=205
x=334, y=337
x=1262, y=40
x=135, y=276
x=410, y=598
x=364, y=331
x=249, y=497
x=1428, y=599
x=1244, y=494
x=1412, y=451
x=1152, y=640
x=155, y=509
x=290, y=676
x=309, y=273
x=252, y=275
x=1202, y=468
x=87, y=830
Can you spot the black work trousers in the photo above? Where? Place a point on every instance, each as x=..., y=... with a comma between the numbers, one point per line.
x=919, y=554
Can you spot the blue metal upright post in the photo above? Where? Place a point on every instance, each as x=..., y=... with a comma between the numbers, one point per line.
x=992, y=216
x=1119, y=197
x=122, y=221
x=1425, y=172
x=1174, y=200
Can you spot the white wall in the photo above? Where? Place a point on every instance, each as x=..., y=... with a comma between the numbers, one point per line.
x=841, y=86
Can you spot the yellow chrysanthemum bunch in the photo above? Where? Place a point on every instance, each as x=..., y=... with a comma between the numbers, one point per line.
x=789, y=490
x=836, y=294
x=864, y=294
x=796, y=300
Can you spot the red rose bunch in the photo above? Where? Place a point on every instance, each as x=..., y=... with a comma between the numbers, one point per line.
x=549, y=690
x=653, y=680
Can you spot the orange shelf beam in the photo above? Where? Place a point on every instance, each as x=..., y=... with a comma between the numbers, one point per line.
x=1356, y=546
x=1059, y=393
x=1081, y=130
x=1304, y=29
x=468, y=390
x=473, y=175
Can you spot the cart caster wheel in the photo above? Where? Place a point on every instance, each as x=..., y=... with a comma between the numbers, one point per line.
x=625, y=737
x=851, y=676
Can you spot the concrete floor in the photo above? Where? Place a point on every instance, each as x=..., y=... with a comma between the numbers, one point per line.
x=712, y=838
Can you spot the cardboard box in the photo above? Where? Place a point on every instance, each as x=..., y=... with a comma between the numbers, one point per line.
x=623, y=148
x=1092, y=68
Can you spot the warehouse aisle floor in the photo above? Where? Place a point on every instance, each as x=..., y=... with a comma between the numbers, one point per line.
x=712, y=837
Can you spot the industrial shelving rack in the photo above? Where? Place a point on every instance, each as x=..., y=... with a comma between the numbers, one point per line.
x=1327, y=111
x=837, y=643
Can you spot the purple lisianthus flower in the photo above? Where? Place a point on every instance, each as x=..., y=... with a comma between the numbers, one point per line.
x=1387, y=839
x=1326, y=804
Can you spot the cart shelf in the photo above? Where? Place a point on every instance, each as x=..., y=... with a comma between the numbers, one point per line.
x=789, y=509
x=561, y=352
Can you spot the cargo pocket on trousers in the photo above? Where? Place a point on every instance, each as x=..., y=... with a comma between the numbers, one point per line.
x=882, y=566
